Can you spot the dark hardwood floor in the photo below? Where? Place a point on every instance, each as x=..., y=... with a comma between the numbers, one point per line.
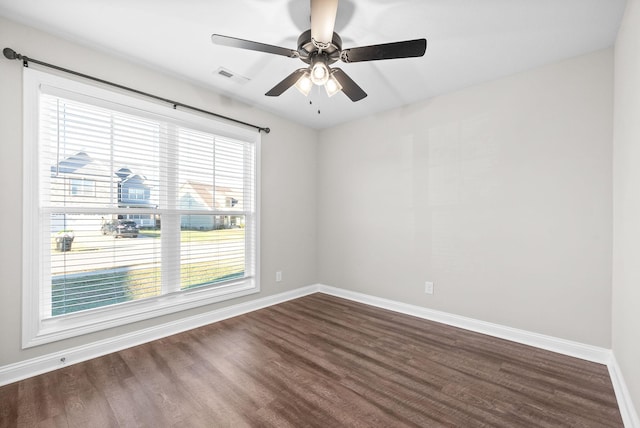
x=319, y=361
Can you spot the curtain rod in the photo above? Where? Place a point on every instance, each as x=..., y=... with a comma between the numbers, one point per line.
x=11, y=54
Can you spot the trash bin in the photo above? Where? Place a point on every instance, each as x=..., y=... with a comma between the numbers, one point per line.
x=63, y=243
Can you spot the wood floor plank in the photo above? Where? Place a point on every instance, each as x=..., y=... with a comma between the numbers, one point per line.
x=84, y=404
x=9, y=406
x=40, y=400
x=319, y=361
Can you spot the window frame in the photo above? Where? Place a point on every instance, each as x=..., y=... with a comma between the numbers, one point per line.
x=35, y=329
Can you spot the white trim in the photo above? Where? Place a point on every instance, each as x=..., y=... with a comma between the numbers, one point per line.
x=625, y=403
x=30, y=259
x=46, y=363
x=25, y=369
x=550, y=343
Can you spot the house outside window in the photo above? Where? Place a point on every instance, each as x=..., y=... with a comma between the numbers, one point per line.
x=145, y=227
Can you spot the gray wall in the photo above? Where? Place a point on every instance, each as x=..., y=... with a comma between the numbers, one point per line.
x=626, y=201
x=288, y=179
x=499, y=193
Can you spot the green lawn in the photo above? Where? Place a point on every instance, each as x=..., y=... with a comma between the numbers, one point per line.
x=81, y=291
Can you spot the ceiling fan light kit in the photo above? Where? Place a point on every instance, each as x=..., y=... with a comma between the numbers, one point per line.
x=332, y=86
x=319, y=70
x=304, y=84
x=320, y=47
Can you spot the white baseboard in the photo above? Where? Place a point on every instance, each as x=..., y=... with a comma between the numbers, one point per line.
x=46, y=363
x=562, y=346
x=627, y=409
x=32, y=367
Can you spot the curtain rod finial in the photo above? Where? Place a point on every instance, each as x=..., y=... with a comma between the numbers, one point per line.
x=10, y=53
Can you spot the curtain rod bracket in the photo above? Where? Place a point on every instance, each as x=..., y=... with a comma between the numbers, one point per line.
x=11, y=54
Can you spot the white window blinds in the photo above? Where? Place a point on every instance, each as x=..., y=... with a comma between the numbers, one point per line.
x=133, y=205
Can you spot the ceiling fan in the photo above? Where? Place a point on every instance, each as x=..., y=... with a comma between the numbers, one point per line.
x=320, y=47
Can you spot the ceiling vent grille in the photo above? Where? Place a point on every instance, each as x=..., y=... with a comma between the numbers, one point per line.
x=228, y=74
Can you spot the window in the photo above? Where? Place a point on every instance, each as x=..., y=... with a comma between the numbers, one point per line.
x=136, y=194
x=127, y=212
x=83, y=187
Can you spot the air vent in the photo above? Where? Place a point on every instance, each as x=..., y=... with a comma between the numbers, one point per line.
x=228, y=74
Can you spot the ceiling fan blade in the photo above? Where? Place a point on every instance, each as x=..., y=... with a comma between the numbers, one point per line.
x=323, y=20
x=253, y=46
x=286, y=83
x=406, y=49
x=349, y=87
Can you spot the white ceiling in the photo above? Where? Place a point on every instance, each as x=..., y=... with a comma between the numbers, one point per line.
x=469, y=41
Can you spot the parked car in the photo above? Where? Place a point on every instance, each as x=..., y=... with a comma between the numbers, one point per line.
x=121, y=228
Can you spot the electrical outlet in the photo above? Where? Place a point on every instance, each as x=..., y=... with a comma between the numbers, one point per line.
x=279, y=276
x=428, y=287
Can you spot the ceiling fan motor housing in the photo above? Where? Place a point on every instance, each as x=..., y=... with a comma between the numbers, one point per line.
x=307, y=49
